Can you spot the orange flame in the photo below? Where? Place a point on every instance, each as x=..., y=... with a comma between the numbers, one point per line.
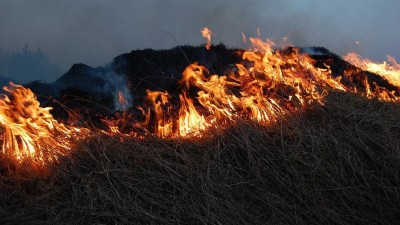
x=190, y=122
x=269, y=83
x=207, y=35
x=122, y=100
x=275, y=84
x=389, y=70
x=30, y=131
x=158, y=106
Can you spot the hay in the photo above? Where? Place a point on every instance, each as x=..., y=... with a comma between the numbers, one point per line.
x=332, y=164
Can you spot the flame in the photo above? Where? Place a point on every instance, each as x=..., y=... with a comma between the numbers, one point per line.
x=389, y=70
x=254, y=92
x=159, y=107
x=267, y=84
x=207, y=35
x=190, y=122
x=122, y=100
x=30, y=131
x=275, y=84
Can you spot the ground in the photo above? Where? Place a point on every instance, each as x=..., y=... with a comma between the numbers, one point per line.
x=335, y=163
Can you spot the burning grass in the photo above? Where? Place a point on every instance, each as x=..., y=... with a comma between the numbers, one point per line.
x=278, y=139
x=29, y=131
x=335, y=163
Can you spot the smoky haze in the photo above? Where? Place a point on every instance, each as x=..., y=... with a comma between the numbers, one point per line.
x=95, y=31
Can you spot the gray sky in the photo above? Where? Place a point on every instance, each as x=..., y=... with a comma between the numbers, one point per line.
x=95, y=31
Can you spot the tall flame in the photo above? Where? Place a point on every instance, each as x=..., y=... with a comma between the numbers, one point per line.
x=190, y=122
x=30, y=131
x=158, y=103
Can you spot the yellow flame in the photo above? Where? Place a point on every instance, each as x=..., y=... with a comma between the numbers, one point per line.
x=389, y=70
x=190, y=122
x=269, y=83
x=30, y=131
x=275, y=84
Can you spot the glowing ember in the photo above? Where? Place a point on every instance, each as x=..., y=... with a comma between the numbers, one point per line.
x=207, y=34
x=30, y=131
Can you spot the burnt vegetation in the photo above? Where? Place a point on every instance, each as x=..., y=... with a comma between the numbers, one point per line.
x=336, y=163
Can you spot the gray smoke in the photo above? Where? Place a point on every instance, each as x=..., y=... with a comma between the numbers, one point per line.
x=117, y=85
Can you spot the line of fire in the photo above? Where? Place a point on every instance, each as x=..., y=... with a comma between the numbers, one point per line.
x=265, y=83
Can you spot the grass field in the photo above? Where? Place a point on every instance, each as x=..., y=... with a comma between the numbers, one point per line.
x=337, y=163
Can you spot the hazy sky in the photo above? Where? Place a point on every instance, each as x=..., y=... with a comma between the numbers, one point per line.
x=95, y=31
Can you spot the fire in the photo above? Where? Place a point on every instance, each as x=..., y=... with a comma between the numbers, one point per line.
x=207, y=35
x=159, y=102
x=122, y=100
x=276, y=83
x=389, y=70
x=267, y=84
x=190, y=122
x=30, y=131
x=159, y=114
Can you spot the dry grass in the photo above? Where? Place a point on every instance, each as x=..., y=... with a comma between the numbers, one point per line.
x=332, y=164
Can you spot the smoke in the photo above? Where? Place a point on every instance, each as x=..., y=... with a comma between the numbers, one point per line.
x=93, y=31
x=117, y=85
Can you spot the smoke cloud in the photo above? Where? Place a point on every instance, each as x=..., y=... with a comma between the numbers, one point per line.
x=95, y=31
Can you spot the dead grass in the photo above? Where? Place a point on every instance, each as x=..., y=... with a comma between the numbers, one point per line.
x=332, y=164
